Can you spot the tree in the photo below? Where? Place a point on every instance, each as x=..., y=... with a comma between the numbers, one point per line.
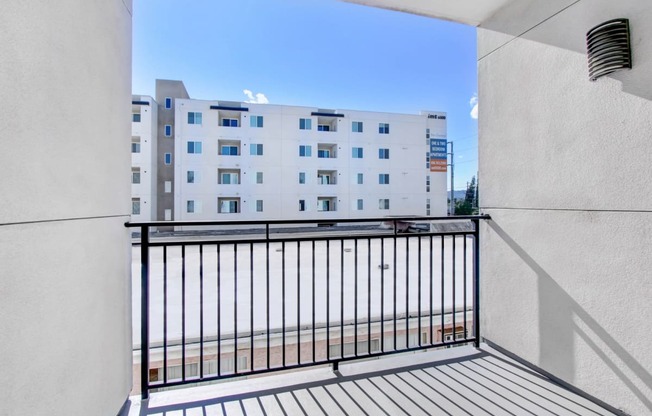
x=469, y=205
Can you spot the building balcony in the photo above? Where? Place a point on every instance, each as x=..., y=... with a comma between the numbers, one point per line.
x=349, y=319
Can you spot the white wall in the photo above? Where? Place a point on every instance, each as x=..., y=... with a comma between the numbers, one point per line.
x=281, y=164
x=64, y=253
x=565, y=167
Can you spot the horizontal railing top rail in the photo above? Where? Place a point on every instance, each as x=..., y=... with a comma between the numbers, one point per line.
x=305, y=221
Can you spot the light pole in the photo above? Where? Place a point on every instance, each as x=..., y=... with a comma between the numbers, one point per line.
x=452, y=165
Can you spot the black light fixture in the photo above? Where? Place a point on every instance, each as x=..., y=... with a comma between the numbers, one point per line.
x=608, y=48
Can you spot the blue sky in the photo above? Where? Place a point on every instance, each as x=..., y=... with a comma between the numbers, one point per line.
x=321, y=53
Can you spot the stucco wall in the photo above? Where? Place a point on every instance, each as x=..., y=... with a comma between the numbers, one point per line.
x=64, y=253
x=565, y=166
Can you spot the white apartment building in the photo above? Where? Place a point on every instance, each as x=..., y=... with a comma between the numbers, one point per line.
x=243, y=161
x=144, y=112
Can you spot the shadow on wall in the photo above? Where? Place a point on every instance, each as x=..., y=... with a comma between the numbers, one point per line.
x=558, y=317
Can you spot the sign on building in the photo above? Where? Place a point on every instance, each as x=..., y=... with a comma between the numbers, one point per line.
x=438, y=155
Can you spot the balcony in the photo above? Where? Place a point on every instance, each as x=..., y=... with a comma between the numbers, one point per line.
x=323, y=309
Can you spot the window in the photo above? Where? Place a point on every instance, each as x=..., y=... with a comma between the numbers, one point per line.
x=168, y=130
x=427, y=160
x=256, y=121
x=167, y=214
x=305, y=124
x=256, y=149
x=229, y=150
x=360, y=178
x=228, y=364
x=357, y=152
x=360, y=204
x=428, y=206
x=323, y=205
x=427, y=133
x=383, y=128
x=383, y=153
x=167, y=186
x=135, y=175
x=174, y=372
x=135, y=145
x=259, y=177
x=305, y=150
x=228, y=205
x=335, y=350
x=324, y=153
x=259, y=205
x=194, y=147
x=192, y=176
x=326, y=204
x=135, y=117
x=383, y=178
x=383, y=204
x=356, y=126
x=229, y=122
x=229, y=178
x=194, y=117
x=168, y=102
x=302, y=177
x=190, y=206
x=168, y=158
x=302, y=205
x=323, y=127
x=135, y=206
x=427, y=183
x=324, y=178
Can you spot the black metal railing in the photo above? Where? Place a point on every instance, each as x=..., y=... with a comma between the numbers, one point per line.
x=249, y=297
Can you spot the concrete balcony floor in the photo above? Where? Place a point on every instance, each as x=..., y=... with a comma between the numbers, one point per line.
x=456, y=381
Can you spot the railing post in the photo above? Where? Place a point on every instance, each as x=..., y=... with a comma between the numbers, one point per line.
x=144, y=311
x=476, y=282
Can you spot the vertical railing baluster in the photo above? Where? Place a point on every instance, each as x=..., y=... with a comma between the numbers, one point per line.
x=328, y=302
x=165, y=314
x=183, y=312
x=453, y=270
x=283, y=298
x=432, y=288
x=368, y=295
x=476, y=282
x=419, y=292
x=144, y=312
x=442, y=292
x=235, y=308
x=355, y=298
x=218, y=260
x=251, y=304
x=313, y=301
x=201, y=311
x=395, y=285
x=298, y=302
x=464, y=292
x=382, y=293
x=342, y=298
x=407, y=292
x=267, y=289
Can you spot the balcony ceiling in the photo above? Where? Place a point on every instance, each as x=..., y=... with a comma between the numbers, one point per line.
x=470, y=12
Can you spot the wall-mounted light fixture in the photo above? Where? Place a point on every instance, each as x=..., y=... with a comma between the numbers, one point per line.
x=608, y=48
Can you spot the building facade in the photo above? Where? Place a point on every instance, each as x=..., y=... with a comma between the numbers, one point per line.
x=144, y=118
x=234, y=160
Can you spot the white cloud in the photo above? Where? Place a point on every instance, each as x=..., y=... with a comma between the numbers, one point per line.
x=473, y=102
x=259, y=98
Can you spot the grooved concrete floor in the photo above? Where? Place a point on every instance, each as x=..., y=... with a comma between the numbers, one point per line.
x=456, y=381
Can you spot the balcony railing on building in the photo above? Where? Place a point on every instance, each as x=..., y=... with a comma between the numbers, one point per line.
x=236, y=298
